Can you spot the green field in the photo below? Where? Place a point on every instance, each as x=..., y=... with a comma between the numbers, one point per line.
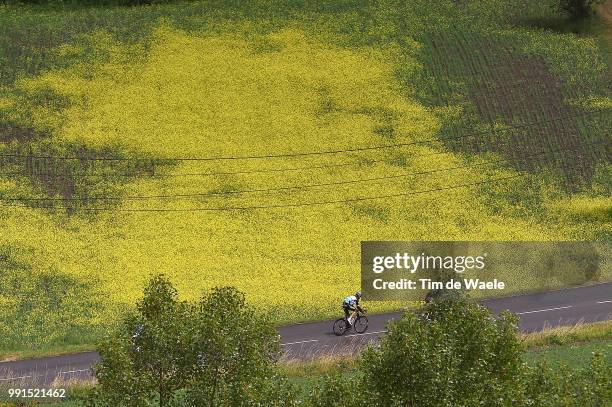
x=487, y=86
x=577, y=355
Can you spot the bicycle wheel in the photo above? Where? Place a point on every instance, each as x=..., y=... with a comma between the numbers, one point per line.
x=340, y=326
x=361, y=324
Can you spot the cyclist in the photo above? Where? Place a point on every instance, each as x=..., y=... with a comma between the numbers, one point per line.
x=350, y=305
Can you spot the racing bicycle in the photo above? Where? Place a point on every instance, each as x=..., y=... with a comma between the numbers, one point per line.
x=360, y=324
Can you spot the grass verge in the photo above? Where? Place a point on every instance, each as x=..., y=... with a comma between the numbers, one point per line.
x=579, y=336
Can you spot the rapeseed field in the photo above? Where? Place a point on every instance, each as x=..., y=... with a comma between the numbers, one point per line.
x=214, y=85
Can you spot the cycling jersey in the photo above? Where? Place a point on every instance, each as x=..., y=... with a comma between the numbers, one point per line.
x=350, y=301
x=350, y=304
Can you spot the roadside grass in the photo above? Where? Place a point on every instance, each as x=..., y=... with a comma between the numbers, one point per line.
x=203, y=79
x=573, y=355
x=572, y=346
x=565, y=338
x=51, y=349
x=569, y=335
x=319, y=366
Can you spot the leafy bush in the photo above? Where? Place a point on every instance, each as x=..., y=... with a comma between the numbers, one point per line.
x=215, y=352
x=334, y=390
x=551, y=387
x=453, y=353
x=233, y=349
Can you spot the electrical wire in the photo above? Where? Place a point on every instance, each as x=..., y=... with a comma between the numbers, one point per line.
x=296, y=205
x=307, y=153
x=276, y=189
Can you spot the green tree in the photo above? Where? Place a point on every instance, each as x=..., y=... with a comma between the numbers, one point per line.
x=577, y=8
x=216, y=352
x=235, y=350
x=453, y=353
x=145, y=359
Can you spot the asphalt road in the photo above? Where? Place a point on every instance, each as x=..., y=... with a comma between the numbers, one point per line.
x=309, y=340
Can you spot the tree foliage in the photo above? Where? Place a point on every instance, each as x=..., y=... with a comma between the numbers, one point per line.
x=233, y=350
x=453, y=353
x=145, y=358
x=216, y=352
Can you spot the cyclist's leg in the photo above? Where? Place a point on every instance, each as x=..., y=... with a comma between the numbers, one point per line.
x=353, y=313
x=346, y=312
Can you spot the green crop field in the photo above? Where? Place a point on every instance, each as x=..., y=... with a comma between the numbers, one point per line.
x=302, y=130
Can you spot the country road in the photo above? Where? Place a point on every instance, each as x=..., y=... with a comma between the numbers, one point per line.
x=308, y=340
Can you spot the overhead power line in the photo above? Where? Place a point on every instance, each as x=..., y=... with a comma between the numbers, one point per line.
x=278, y=206
x=306, y=153
x=247, y=191
x=303, y=204
x=276, y=189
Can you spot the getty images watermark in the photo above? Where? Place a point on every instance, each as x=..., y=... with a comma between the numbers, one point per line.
x=409, y=270
x=426, y=262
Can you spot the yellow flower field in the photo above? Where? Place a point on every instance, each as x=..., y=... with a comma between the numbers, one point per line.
x=202, y=94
